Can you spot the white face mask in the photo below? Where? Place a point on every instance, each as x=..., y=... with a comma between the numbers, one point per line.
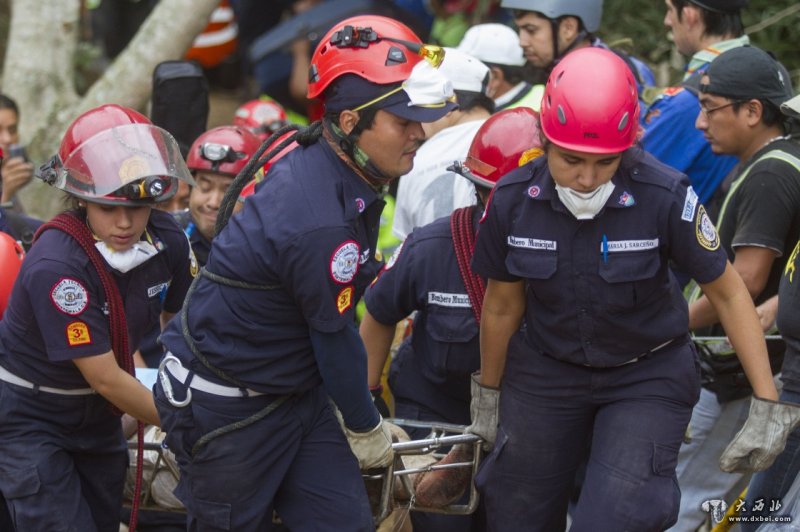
x=585, y=205
x=125, y=261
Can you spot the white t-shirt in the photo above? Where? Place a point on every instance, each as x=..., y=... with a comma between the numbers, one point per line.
x=429, y=191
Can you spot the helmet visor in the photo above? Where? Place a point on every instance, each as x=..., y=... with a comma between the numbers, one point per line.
x=120, y=156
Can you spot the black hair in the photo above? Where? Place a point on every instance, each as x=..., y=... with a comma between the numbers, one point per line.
x=366, y=119
x=513, y=74
x=470, y=100
x=8, y=103
x=715, y=22
x=771, y=114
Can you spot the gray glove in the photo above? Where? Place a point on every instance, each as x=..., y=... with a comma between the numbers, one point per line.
x=762, y=438
x=372, y=448
x=483, y=411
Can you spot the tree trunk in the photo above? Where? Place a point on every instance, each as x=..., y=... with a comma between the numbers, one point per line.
x=39, y=71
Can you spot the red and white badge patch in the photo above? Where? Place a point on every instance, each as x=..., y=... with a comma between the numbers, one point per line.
x=69, y=296
x=344, y=262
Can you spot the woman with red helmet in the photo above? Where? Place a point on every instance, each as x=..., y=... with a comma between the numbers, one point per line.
x=267, y=341
x=576, y=246
x=430, y=274
x=96, y=278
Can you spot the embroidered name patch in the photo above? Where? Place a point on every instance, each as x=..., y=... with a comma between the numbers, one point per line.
x=345, y=299
x=448, y=300
x=344, y=262
x=689, y=205
x=78, y=333
x=614, y=246
x=69, y=296
x=531, y=243
x=157, y=289
x=705, y=230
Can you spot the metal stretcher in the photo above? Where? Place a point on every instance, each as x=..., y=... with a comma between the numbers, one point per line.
x=394, y=484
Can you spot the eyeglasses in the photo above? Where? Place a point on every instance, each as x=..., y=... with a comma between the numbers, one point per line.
x=707, y=112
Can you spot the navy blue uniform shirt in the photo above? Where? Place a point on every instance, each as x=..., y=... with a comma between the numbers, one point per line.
x=310, y=231
x=599, y=292
x=200, y=244
x=434, y=364
x=56, y=311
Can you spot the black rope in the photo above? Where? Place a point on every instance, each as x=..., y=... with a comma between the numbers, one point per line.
x=304, y=136
x=216, y=433
x=246, y=175
x=187, y=335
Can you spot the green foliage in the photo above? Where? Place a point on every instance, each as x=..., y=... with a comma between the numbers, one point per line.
x=642, y=21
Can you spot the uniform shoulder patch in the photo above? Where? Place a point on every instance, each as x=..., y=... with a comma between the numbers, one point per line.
x=705, y=231
x=396, y=255
x=69, y=296
x=78, y=333
x=345, y=299
x=344, y=262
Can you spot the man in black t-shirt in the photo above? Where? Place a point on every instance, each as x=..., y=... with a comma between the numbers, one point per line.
x=758, y=224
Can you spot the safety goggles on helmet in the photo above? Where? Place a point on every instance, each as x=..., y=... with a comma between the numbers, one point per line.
x=372, y=47
x=130, y=163
x=356, y=37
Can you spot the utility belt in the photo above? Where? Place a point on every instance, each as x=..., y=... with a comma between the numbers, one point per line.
x=10, y=378
x=171, y=365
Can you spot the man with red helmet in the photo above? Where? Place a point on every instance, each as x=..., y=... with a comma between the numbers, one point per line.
x=430, y=274
x=96, y=278
x=214, y=159
x=578, y=243
x=267, y=338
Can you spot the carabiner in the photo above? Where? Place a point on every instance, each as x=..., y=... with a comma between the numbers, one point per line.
x=167, y=385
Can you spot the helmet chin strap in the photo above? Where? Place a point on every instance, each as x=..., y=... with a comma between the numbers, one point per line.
x=347, y=144
x=558, y=55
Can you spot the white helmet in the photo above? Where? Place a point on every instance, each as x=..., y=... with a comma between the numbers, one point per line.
x=589, y=11
x=493, y=43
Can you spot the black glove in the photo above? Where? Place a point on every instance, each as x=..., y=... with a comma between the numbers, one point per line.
x=380, y=404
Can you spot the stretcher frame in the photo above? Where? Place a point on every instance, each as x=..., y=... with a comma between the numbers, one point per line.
x=442, y=437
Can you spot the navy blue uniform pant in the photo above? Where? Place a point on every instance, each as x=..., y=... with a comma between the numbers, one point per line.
x=296, y=460
x=634, y=417
x=62, y=461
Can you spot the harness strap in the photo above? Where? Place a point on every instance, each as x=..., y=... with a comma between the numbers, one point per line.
x=71, y=224
x=464, y=244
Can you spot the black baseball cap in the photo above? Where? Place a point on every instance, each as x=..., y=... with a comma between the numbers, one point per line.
x=748, y=72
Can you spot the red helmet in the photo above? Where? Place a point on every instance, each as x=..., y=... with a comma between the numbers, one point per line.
x=116, y=156
x=590, y=103
x=507, y=140
x=378, y=49
x=222, y=150
x=11, y=255
x=262, y=117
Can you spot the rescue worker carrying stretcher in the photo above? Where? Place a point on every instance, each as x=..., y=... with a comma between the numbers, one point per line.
x=267, y=338
x=430, y=274
x=96, y=278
